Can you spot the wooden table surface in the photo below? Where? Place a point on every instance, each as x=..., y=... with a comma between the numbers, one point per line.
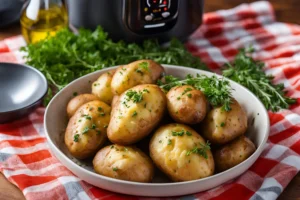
x=286, y=11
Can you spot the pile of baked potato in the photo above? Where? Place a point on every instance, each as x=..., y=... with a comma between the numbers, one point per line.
x=127, y=107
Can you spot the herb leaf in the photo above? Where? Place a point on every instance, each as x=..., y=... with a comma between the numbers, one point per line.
x=249, y=73
x=202, y=151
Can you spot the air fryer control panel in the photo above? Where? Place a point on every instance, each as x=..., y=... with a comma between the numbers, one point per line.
x=150, y=16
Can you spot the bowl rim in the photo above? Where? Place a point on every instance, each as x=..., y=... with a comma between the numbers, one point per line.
x=258, y=150
x=34, y=102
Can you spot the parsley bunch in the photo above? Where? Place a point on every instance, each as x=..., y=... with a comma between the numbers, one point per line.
x=67, y=56
x=250, y=74
x=216, y=90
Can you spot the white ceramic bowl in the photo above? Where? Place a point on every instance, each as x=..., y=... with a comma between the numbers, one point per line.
x=56, y=121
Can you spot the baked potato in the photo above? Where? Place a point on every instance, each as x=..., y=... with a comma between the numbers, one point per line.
x=135, y=73
x=86, y=130
x=114, y=100
x=124, y=162
x=181, y=153
x=102, y=89
x=221, y=126
x=78, y=101
x=186, y=104
x=136, y=113
x=233, y=153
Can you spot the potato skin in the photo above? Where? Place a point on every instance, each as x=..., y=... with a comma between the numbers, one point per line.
x=131, y=121
x=221, y=126
x=186, y=104
x=114, y=100
x=102, y=87
x=135, y=73
x=233, y=153
x=170, y=153
x=124, y=162
x=89, y=123
x=78, y=101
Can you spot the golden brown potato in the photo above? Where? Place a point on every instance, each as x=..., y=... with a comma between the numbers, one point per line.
x=221, y=126
x=125, y=163
x=102, y=89
x=136, y=114
x=135, y=73
x=78, y=101
x=86, y=130
x=233, y=153
x=181, y=153
x=186, y=104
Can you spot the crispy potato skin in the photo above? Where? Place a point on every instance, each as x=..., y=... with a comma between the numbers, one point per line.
x=102, y=87
x=169, y=153
x=114, y=100
x=233, y=153
x=131, y=121
x=125, y=163
x=78, y=101
x=186, y=104
x=133, y=74
x=87, y=116
x=220, y=126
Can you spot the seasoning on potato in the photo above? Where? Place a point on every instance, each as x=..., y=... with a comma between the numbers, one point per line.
x=135, y=73
x=181, y=153
x=86, y=130
x=221, y=126
x=233, y=153
x=124, y=162
x=186, y=104
x=136, y=113
x=78, y=101
x=102, y=87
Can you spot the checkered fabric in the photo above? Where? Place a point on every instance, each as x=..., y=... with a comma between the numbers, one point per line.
x=26, y=161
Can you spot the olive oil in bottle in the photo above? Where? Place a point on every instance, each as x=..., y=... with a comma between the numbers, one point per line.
x=41, y=18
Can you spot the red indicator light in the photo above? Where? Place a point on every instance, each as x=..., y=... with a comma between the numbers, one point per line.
x=165, y=2
x=165, y=8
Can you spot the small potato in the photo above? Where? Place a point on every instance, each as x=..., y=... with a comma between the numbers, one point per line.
x=125, y=163
x=102, y=89
x=136, y=114
x=179, y=152
x=135, y=73
x=78, y=101
x=221, y=126
x=233, y=153
x=86, y=130
x=186, y=104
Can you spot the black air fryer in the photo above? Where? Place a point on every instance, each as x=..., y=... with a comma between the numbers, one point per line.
x=135, y=20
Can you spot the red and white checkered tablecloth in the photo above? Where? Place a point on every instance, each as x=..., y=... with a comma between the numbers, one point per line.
x=26, y=161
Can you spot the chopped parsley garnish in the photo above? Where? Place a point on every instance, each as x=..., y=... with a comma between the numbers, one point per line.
x=76, y=138
x=202, y=151
x=93, y=126
x=99, y=108
x=145, y=90
x=85, y=130
x=169, y=142
x=115, y=169
x=88, y=117
x=178, y=133
x=75, y=94
x=98, y=132
x=134, y=114
x=134, y=96
x=222, y=124
x=188, y=133
x=102, y=114
x=112, y=146
x=105, y=126
x=189, y=95
x=144, y=65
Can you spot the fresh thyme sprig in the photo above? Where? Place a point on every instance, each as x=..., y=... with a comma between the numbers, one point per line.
x=249, y=73
x=216, y=90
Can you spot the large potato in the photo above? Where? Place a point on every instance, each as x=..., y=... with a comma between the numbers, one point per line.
x=102, y=89
x=233, y=153
x=221, y=126
x=135, y=73
x=86, y=130
x=78, y=101
x=136, y=113
x=124, y=162
x=186, y=104
x=181, y=153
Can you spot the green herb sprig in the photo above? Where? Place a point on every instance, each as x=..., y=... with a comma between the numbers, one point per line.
x=249, y=73
x=216, y=90
x=202, y=151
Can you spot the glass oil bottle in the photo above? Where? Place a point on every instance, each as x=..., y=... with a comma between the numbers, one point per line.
x=41, y=18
